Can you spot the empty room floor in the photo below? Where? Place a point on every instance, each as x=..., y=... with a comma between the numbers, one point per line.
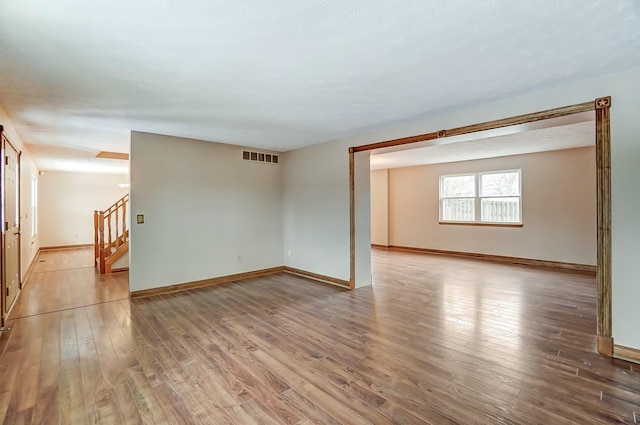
x=435, y=340
x=66, y=278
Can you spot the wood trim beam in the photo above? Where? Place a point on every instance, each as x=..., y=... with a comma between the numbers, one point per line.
x=489, y=125
x=235, y=277
x=57, y=247
x=499, y=258
x=319, y=277
x=397, y=142
x=206, y=282
x=352, y=221
x=521, y=119
x=626, y=353
x=605, y=345
x=375, y=245
x=119, y=269
x=34, y=261
x=603, y=184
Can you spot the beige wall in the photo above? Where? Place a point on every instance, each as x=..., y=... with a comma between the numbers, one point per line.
x=315, y=197
x=380, y=207
x=67, y=202
x=558, y=208
x=207, y=212
x=316, y=211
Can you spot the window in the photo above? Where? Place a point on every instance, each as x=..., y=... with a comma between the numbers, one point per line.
x=492, y=197
x=458, y=198
x=34, y=206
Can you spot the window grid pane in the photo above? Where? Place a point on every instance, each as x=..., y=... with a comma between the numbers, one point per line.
x=458, y=186
x=459, y=209
x=500, y=184
x=500, y=210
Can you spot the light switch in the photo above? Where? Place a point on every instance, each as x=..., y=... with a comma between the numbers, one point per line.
x=140, y=218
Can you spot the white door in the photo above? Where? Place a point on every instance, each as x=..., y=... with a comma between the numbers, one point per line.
x=11, y=226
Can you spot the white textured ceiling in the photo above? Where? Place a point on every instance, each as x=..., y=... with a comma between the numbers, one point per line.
x=77, y=75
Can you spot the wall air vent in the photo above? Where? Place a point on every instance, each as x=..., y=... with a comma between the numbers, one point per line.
x=260, y=157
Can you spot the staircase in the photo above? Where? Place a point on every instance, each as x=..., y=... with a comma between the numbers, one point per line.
x=111, y=235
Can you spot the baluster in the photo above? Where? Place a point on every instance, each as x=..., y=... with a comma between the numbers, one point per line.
x=101, y=239
x=125, y=237
x=96, y=248
x=117, y=227
x=109, y=230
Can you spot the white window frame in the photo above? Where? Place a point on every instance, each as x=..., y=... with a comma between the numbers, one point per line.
x=478, y=199
x=442, y=198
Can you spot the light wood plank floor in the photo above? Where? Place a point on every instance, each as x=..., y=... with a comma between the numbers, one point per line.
x=66, y=278
x=435, y=340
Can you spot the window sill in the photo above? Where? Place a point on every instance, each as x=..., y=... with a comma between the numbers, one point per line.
x=466, y=223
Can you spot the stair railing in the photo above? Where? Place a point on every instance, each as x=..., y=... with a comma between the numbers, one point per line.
x=113, y=221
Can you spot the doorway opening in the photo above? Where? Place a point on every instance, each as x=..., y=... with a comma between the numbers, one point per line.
x=601, y=106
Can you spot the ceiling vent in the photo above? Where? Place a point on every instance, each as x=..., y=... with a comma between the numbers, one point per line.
x=260, y=157
x=113, y=155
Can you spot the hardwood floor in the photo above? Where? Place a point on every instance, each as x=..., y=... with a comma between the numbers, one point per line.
x=435, y=340
x=66, y=278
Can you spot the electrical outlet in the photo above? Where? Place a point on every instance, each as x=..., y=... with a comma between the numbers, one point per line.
x=238, y=258
x=289, y=253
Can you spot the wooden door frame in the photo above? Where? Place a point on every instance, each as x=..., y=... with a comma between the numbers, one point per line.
x=601, y=106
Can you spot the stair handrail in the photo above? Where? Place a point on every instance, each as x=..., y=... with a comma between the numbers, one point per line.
x=102, y=247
